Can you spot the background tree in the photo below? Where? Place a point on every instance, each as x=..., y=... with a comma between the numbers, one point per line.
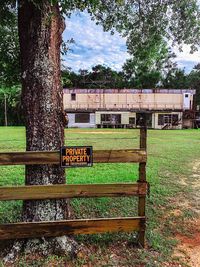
x=176, y=79
x=9, y=68
x=10, y=105
x=193, y=80
x=9, y=52
x=148, y=64
x=99, y=77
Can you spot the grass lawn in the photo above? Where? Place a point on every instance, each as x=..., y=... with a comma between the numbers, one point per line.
x=170, y=159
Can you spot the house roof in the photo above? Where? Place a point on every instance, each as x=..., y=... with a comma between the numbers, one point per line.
x=128, y=91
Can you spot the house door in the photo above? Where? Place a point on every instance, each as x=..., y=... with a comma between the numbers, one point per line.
x=145, y=116
x=186, y=101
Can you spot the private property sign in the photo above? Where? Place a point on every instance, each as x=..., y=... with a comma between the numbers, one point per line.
x=76, y=156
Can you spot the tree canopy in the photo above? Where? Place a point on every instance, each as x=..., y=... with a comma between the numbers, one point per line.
x=9, y=48
x=148, y=25
x=9, y=67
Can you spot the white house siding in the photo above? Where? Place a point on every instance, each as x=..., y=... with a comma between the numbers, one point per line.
x=128, y=99
x=125, y=118
x=73, y=124
x=154, y=117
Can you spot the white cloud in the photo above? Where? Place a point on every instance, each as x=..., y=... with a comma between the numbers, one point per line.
x=185, y=59
x=186, y=55
x=92, y=45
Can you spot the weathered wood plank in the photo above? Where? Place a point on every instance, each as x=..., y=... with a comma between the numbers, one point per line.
x=53, y=157
x=71, y=191
x=112, y=156
x=143, y=138
x=30, y=157
x=70, y=227
x=142, y=179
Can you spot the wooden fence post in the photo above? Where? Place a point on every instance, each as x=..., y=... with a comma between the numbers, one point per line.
x=142, y=179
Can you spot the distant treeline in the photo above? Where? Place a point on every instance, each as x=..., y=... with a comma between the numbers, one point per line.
x=102, y=77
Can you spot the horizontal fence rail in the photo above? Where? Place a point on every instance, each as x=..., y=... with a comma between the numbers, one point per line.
x=70, y=227
x=72, y=191
x=60, y=191
x=53, y=157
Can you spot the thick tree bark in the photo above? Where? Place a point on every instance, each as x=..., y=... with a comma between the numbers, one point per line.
x=40, y=30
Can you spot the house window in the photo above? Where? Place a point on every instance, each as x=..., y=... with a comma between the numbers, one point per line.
x=186, y=95
x=131, y=120
x=175, y=119
x=73, y=96
x=111, y=118
x=160, y=119
x=168, y=119
x=82, y=118
x=164, y=119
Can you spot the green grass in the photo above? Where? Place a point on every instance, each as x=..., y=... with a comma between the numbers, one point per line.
x=170, y=156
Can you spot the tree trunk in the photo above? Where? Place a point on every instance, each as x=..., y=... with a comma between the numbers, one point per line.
x=40, y=30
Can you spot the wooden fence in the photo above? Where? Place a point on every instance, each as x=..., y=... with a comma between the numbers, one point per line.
x=86, y=226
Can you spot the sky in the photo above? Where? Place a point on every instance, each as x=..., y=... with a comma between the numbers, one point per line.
x=94, y=46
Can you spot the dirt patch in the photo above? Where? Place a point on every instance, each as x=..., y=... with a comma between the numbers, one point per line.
x=182, y=180
x=193, y=241
x=196, y=186
x=176, y=213
x=189, y=245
